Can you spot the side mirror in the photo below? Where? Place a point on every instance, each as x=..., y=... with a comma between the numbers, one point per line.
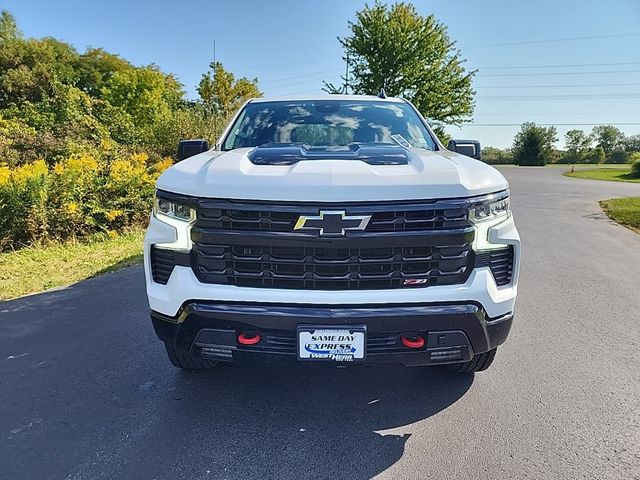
x=189, y=148
x=470, y=148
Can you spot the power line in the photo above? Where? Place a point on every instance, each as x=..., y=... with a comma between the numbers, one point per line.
x=547, y=114
x=550, y=124
x=567, y=65
x=296, y=62
x=555, y=40
x=322, y=72
x=301, y=76
x=297, y=83
x=320, y=78
x=561, y=97
x=575, y=85
x=554, y=73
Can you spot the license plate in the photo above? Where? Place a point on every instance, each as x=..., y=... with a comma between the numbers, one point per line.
x=331, y=344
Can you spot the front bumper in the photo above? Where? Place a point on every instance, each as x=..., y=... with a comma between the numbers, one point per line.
x=453, y=332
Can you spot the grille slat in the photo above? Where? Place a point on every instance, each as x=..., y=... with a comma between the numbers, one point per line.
x=500, y=262
x=162, y=263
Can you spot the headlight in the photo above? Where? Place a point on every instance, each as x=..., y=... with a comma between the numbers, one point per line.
x=485, y=216
x=180, y=217
x=490, y=210
x=178, y=211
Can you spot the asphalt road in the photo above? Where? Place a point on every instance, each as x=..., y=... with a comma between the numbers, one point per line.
x=86, y=391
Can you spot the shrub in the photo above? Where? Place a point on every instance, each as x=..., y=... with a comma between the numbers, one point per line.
x=77, y=197
x=635, y=169
x=618, y=156
x=595, y=155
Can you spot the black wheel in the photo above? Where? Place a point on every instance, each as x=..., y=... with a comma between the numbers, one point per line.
x=478, y=363
x=183, y=359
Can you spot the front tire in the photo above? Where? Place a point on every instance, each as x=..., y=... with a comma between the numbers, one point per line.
x=478, y=363
x=183, y=359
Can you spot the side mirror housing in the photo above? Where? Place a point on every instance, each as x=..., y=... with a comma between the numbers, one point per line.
x=189, y=148
x=470, y=148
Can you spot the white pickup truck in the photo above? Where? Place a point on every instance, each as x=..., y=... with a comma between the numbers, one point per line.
x=332, y=229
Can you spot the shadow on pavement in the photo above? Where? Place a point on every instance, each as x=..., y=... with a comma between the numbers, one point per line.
x=304, y=421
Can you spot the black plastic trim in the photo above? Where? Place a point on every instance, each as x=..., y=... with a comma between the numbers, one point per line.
x=370, y=206
x=279, y=319
x=290, y=154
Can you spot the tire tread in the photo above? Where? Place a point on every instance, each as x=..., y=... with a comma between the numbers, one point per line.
x=184, y=360
x=478, y=363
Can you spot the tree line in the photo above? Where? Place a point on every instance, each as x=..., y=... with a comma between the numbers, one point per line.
x=56, y=102
x=535, y=145
x=84, y=136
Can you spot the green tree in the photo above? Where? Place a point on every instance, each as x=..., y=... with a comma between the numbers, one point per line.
x=395, y=49
x=618, y=156
x=608, y=137
x=33, y=70
x=8, y=27
x=595, y=155
x=96, y=67
x=578, y=144
x=222, y=94
x=632, y=143
x=497, y=156
x=144, y=93
x=533, y=144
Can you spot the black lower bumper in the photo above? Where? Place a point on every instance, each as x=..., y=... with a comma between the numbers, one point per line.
x=452, y=332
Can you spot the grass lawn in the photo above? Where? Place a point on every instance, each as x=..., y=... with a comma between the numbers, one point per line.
x=625, y=211
x=612, y=174
x=34, y=269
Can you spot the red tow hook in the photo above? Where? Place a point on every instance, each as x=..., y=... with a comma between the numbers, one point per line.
x=249, y=338
x=412, y=342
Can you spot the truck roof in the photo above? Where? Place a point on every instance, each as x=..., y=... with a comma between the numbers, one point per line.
x=327, y=97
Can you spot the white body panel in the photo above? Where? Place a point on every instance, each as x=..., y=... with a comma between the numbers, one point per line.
x=430, y=175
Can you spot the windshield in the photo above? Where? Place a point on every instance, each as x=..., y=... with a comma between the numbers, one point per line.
x=328, y=123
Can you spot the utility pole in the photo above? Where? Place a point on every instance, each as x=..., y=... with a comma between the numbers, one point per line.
x=346, y=75
x=215, y=113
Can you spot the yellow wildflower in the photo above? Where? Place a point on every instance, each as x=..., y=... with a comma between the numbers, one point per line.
x=5, y=174
x=112, y=234
x=71, y=208
x=123, y=171
x=82, y=164
x=163, y=164
x=113, y=214
x=29, y=171
x=58, y=168
x=106, y=144
x=139, y=159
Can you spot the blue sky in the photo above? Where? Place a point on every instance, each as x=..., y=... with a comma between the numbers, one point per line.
x=291, y=46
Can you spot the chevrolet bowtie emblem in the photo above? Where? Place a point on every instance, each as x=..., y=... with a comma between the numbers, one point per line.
x=334, y=223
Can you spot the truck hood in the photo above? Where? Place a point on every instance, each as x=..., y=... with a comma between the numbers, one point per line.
x=427, y=175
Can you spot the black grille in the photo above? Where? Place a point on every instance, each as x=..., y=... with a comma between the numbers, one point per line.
x=407, y=218
x=500, y=262
x=403, y=245
x=334, y=268
x=162, y=263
